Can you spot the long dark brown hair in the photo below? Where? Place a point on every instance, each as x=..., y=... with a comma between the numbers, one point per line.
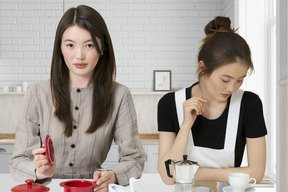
x=222, y=46
x=103, y=78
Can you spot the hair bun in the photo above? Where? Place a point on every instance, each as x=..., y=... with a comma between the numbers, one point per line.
x=219, y=24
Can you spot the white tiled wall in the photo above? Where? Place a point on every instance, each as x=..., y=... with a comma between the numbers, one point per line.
x=229, y=10
x=147, y=35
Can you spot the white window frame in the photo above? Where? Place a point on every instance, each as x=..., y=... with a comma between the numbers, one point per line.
x=272, y=93
x=245, y=10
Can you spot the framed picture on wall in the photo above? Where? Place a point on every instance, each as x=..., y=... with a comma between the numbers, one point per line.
x=162, y=80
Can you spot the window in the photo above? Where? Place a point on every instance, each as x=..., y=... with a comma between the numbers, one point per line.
x=258, y=28
x=271, y=50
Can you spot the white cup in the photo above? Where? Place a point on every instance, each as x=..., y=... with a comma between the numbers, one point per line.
x=6, y=89
x=18, y=89
x=240, y=181
x=24, y=86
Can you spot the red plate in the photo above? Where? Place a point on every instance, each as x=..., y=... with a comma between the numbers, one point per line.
x=49, y=149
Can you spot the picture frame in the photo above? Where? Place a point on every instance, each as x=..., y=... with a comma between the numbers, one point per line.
x=162, y=80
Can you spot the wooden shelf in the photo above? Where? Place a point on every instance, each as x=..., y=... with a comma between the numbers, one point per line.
x=7, y=136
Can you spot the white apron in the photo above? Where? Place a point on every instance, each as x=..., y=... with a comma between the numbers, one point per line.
x=214, y=158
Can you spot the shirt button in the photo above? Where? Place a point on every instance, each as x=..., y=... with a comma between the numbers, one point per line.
x=76, y=108
x=78, y=90
x=71, y=164
x=74, y=127
x=72, y=146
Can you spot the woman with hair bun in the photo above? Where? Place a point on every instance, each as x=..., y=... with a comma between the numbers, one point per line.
x=213, y=120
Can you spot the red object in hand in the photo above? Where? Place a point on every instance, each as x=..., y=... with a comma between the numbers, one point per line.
x=49, y=150
x=30, y=186
x=78, y=186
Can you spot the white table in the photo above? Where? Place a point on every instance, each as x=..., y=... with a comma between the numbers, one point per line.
x=147, y=183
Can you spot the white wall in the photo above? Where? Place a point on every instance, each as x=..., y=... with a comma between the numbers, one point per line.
x=229, y=11
x=147, y=35
x=252, y=27
x=282, y=157
x=282, y=99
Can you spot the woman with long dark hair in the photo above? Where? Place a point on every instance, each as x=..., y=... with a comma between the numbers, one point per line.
x=81, y=108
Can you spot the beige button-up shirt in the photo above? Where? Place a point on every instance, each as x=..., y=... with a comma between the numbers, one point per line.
x=81, y=154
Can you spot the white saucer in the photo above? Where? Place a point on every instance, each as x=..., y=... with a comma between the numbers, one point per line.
x=228, y=189
x=117, y=188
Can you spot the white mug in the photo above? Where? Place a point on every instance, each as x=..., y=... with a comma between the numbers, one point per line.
x=6, y=89
x=24, y=86
x=18, y=89
x=240, y=181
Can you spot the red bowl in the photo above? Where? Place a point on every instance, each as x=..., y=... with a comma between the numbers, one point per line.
x=78, y=186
